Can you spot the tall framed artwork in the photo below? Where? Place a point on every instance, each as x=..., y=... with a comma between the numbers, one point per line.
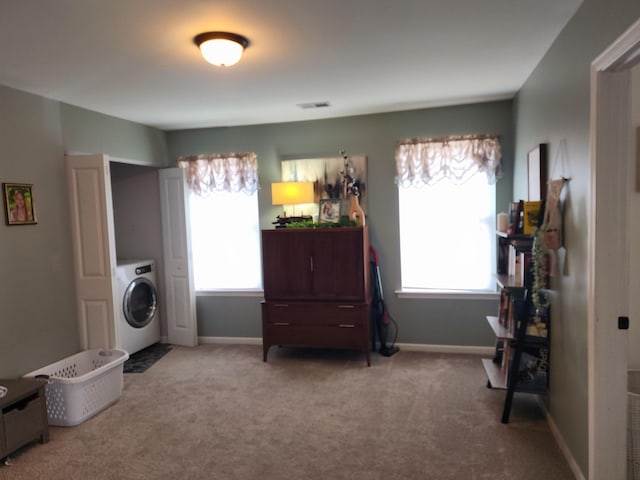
x=325, y=173
x=537, y=172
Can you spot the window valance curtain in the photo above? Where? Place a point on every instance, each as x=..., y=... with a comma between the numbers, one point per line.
x=426, y=161
x=228, y=172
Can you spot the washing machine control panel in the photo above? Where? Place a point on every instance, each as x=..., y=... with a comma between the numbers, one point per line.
x=144, y=269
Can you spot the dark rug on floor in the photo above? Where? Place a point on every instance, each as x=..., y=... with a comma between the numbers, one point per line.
x=140, y=361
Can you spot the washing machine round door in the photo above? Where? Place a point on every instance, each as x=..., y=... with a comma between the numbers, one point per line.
x=140, y=302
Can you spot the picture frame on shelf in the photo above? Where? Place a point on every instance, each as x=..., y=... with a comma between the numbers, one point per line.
x=19, y=204
x=330, y=210
x=537, y=172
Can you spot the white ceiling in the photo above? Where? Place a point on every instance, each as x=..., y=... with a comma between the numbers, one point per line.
x=135, y=59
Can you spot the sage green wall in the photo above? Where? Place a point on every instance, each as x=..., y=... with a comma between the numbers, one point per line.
x=37, y=311
x=85, y=131
x=444, y=322
x=38, y=322
x=553, y=107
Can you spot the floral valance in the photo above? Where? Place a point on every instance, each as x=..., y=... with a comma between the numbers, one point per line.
x=426, y=161
x=228, y=172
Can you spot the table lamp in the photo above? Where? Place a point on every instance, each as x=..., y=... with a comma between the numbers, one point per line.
x=291, y=193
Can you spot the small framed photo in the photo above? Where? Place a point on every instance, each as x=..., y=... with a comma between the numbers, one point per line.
x=329, y=210
x=19, y=204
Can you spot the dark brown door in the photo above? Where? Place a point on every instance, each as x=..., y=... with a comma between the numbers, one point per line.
x=337, y=264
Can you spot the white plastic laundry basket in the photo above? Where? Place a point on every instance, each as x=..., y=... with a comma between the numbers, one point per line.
x=80, y=386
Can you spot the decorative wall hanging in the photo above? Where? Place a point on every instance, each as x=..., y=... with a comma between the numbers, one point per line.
x=326, y=174
x=19, y=204
x=552, y=221
x=548, y=236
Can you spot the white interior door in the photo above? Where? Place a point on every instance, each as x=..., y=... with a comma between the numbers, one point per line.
x=94, y=253
x=179, y=286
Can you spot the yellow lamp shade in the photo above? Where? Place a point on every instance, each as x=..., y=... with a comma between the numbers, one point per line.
x=291, y=193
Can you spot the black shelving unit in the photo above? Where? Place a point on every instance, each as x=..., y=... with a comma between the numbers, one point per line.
x=521, y=358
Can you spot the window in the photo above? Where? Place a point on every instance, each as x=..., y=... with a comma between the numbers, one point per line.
x=225, y=241
x=447, y=236
x=447, y=213
x=224, y=221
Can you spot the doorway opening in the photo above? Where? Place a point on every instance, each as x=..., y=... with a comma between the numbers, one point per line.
x=608, y=254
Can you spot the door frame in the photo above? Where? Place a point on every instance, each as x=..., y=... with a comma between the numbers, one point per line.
x=608, y=255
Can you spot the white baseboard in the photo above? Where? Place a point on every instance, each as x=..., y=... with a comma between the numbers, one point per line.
x=410, y=347
x=460, y=349
x=231, y=340
x=561, y=443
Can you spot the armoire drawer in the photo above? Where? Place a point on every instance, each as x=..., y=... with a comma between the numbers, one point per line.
x=309, y=313
x=338, y=336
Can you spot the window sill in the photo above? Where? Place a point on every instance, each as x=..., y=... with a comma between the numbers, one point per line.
x=447, y=294
x=230, y=293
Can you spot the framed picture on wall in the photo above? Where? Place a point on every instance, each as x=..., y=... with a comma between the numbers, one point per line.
x=326, y=175
x=537, y=172
x=19, y=204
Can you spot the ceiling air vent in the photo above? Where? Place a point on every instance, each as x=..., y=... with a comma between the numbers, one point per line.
x=314, y=105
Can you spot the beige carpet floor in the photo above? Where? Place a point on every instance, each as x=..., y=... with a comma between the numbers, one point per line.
x=219, y=412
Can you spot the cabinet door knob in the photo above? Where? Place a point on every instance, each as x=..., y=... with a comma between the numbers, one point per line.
x=346, y=325
x=281, y=305
x=346, y=306
x=281, y=324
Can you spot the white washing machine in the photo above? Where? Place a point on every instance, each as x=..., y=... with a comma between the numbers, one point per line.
x=137, y=320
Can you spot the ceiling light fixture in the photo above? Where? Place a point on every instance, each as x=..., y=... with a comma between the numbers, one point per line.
x=222, y=49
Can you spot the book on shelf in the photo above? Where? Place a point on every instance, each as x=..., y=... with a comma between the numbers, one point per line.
x=503, y=312
x=514, y=262
x=506, y=361
x=533, y=370
x=511, y=320
x=514, y=217
x=525, y=269
x=505, y=308
x=531, y=216
x=502, y=263
x=537, y=329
